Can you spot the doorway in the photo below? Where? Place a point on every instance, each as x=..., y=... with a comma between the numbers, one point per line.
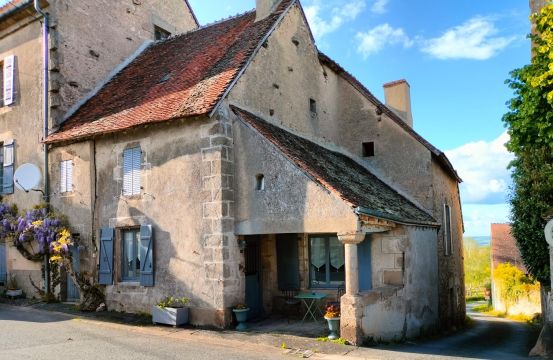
x=252, y=267
x=72, y=288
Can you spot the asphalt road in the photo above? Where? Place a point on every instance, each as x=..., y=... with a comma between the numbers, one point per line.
x=35, y=334
x=32, y=334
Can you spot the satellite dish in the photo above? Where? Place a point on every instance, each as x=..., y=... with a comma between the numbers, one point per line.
x=27, y=177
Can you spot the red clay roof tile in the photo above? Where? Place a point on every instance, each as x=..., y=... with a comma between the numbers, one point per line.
x=183, y=76
x=504, y=247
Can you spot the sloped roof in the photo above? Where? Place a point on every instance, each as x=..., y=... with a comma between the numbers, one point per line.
x=436, y=153
x=340, y=174
x=504, y=247
x=16, y=10
x=182, y=76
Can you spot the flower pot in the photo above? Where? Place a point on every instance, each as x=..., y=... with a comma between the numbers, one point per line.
x=170, y=316
x=241, y=317
x=333, y=326
x=14, y=293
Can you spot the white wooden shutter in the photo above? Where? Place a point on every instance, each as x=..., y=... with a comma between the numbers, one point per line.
x=63, y=177
x=131, y=171
x=9, y=65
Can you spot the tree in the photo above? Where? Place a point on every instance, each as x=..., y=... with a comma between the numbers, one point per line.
x=477, y=266
x=530, y=126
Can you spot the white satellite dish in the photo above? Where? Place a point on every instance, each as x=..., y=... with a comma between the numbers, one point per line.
x=27, y=177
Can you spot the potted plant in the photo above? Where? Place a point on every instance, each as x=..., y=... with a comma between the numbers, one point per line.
x=241, y=313
x=332, y=316
x=13, y=289
x=171, y=311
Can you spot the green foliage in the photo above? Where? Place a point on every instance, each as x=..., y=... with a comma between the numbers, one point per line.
x=530, y=126
x=477, y=268
x=173, y=302
x=335, y=341
x=513, y=284
x=483, y=308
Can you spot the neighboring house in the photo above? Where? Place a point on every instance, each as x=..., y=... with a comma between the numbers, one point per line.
x=235, y=161
x=87, y=40
x=504, y=250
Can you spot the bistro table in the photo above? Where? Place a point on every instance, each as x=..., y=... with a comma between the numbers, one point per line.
x=311, y=300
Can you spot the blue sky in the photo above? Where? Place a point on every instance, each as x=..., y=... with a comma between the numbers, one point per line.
x=456, y=57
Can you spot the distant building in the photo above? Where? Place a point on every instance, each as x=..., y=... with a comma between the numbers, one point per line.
x=504, y=250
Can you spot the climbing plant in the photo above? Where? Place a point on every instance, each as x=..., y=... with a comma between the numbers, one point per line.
x=513, y=284
x=530, y=126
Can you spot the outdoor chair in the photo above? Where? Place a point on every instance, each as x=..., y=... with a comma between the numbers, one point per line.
x=290, y=302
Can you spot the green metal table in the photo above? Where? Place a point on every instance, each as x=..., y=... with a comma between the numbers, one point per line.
x=311, y=300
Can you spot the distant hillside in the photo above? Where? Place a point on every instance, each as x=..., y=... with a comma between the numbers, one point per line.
x=481, y=240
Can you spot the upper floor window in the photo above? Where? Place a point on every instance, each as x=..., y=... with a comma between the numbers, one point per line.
x=313, y=107
x=160, y=33
x=66, y=176
x=448, y=239
x=368, y=149
x=7, y=80
x=131, y=171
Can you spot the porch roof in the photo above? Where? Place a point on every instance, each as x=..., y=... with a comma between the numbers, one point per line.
x=341, y=175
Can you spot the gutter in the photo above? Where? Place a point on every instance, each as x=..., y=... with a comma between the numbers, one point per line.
x=45, y=85
x=364, y=211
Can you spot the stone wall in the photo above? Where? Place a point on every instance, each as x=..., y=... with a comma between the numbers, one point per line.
x=452, y=280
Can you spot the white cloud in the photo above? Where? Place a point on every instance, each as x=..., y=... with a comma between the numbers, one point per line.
x=478, y=218
x=379, y=6
x=473, y=39
x=339, y=13
x=483, y=167
x=375, y=39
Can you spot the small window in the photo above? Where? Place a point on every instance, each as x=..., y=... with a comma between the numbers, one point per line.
x=130, y=259
x=448, y=240
x=260, y=182
x=131, y=171
x=313, y=106
x=160, y=34
x=66, y=176
x=368, y=149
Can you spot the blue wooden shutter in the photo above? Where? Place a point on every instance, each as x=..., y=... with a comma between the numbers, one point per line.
x=287, y=261
x=147, y=266
x=105, y=275
x=365, y=264
x=9, y=161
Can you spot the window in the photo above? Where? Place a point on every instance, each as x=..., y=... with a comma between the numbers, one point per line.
x=260, y=182
x=7, y=80
x=448, y=241
x=160, y=34
x=131, y=171
x=7, y=163
x=313, y=107
x=66, y=176
x=326, y=261
x=130, y=259
x=368, y=149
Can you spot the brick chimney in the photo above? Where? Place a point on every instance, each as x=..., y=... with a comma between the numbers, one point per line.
x=398, y=98
x=265, y=8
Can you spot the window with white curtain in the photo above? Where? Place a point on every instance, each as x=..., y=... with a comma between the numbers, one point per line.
x=326, y=261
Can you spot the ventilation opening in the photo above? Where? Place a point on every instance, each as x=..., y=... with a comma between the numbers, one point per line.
x=313, y=107
x=368, y=149
x=259, y=182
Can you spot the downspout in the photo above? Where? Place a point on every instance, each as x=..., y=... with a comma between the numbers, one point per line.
x=45, y=33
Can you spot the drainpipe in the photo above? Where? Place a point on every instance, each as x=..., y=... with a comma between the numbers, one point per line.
x=45, y=33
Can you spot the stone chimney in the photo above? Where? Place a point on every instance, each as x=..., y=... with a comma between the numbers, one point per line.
x=398, y=98
x=264, y=8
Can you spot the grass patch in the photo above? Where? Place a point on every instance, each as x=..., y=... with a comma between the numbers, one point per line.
x=484, y=308
x=471, y=299
x=337, y=341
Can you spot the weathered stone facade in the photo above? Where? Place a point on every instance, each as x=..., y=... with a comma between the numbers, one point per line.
x=87, y=41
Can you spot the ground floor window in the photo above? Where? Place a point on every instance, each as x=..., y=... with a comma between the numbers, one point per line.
x=131, y=255
x=326, y=261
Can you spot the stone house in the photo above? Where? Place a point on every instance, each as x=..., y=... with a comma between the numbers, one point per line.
x=235, y=160
x=504, y=250
x=86, y=41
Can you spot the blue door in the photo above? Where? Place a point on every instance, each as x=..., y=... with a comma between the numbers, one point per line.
x=252, y=257
x=72, y=288
x=3, y=274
